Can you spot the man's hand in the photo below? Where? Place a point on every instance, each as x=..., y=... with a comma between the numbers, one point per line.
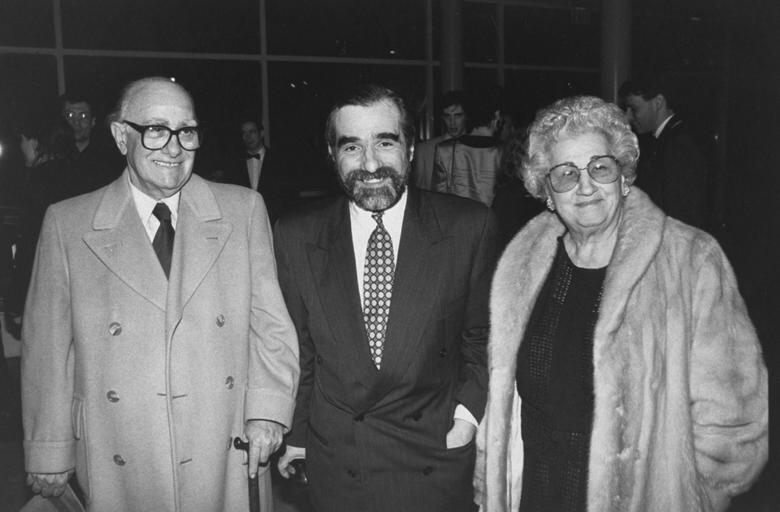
x=285, y=461
x=265, y=437
x=48, y=484
x=461, y=434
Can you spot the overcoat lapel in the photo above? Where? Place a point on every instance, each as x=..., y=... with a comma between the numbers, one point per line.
x=200, y=237
x=119, y=240
x=332, y=262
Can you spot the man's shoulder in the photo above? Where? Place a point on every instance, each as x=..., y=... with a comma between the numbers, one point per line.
x=312, y=215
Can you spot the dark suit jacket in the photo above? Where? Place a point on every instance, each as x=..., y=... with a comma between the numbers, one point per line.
x=375, y=440
x=673, y=172
x=272, y=186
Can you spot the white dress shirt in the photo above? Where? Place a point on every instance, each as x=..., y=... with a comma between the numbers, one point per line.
x=145, y=204
x=254, y=166
x=362, y=226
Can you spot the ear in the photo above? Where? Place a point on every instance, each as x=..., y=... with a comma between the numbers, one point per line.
x=330, y=153
x=659, y=102
x=411, y=152
x=119, y=132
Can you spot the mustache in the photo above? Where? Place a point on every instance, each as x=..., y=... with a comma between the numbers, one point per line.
x=380, y=173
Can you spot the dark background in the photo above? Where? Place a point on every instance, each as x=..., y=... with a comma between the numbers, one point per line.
x=724, y=54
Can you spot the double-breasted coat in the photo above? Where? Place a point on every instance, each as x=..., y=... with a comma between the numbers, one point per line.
x=138, y=382
x=376, y=440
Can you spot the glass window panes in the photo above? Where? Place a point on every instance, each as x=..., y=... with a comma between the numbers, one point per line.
x=347, y=28
x=172, y=25
x=552, y=37
x=479, y=32
x=26, y=23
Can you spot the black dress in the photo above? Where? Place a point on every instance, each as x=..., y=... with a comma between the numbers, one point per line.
x=555, y=382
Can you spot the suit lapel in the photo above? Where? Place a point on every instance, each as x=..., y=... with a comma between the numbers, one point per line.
x=332, y=261
x=120, y=241
x=201, y=235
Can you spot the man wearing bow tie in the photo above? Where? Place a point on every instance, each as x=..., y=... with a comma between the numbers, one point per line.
x=259, y=169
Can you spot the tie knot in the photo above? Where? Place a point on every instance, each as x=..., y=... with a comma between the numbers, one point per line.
x=377, y=216
x=162, y=212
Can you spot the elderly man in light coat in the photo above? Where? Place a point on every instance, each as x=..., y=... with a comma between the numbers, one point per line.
x=138, y=376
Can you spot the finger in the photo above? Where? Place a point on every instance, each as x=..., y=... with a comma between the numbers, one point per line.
x=58, y=490
x=254, y=458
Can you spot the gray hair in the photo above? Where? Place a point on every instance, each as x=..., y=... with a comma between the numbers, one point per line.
x=571, y=117
x=129, y=90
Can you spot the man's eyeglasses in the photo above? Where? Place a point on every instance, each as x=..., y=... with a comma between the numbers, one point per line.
x=603, y=169
x=155, y=136
x=81, y=116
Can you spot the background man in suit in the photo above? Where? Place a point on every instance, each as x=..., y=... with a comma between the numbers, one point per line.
x=453, y=117
x=672, y=169
x=94, y=161
x=155, y=330
x=259, y=168
x=388, y=290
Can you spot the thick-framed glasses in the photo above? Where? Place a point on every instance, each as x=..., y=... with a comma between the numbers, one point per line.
x=81, y=116
x=156, y=136
x=602, y=169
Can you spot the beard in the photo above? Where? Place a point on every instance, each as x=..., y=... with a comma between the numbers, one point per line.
x=374, y=199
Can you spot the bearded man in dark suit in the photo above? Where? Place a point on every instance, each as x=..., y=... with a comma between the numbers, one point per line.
x=388, y=290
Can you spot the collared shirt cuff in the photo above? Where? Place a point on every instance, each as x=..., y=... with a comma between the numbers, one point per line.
x=461, y=413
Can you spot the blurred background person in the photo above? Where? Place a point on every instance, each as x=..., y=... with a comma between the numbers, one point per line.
x=625, y=373
x=512, y=203
x=453, y=118
x=95, y=158
x=673, y=170
x=48, y=150
x=466, y=166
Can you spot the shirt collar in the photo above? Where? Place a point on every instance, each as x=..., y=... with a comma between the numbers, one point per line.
x=144, y=204
x=662, y=126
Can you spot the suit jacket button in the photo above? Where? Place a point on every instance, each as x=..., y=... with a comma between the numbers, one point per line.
x=352, y=473
x=427, y=470
x=319, y=359
x=443, y=352
x=112, y=396
x=359, y=417
x=118, y=460
x=115, y=329
x=229, y=382
x=220, y=320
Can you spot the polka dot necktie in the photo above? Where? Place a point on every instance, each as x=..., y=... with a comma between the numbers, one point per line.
x=378, y=287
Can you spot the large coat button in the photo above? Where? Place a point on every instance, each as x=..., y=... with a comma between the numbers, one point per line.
x=115, y=329
x=229, y=382
x=112, y=396
x=118, y=460
x=220, y=320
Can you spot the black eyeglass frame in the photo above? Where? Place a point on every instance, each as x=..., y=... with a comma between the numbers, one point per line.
x=587, y=168
x=142, y=128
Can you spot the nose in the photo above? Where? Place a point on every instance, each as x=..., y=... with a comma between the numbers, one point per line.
x=173, y=147
x=370, y=161
x=585, y=185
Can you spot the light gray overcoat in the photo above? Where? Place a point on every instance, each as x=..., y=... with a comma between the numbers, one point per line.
x=138, y=383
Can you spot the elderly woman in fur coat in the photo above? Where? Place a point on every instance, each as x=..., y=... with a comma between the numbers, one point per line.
x=625, y=374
